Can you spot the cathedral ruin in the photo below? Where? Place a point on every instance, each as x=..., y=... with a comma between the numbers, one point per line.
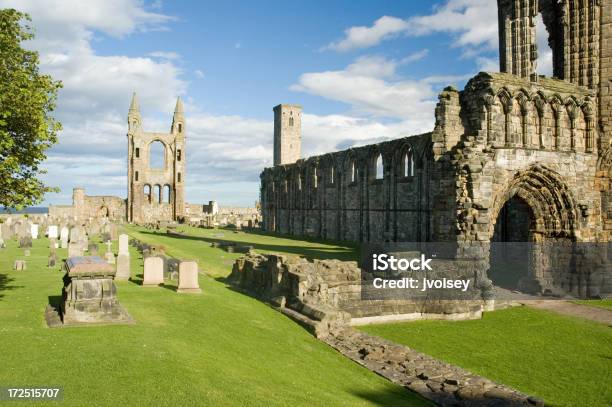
x=513, y=157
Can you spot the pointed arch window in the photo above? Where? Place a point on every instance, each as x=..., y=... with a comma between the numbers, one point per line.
x=408, y=164
x=379, y=167
x=331, y=175
x=353, y=172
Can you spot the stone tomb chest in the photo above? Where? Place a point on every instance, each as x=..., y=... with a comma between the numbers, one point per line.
x=89, y=294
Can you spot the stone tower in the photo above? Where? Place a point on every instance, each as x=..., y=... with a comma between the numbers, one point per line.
x=287, y=134
x=156, y=169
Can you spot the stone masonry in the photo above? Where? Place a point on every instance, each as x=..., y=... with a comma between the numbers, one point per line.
x=510, y=141
x=155, y=194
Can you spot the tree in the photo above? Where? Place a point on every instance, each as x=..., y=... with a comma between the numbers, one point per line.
x=27, y=129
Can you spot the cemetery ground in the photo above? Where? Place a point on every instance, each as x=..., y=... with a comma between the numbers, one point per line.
x=217, y=348
x=224, y=347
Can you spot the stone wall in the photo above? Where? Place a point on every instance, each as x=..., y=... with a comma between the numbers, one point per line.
x=327, y=294
x=90, y=206
x=545, y=141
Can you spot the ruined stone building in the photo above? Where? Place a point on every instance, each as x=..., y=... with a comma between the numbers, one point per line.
x=89, y=206
x=156, y=189
x=513, y=157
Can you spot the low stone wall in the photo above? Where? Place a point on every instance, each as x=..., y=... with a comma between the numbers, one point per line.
x=327, y=294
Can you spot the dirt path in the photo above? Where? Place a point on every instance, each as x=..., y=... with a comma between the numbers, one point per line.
x=601, y=315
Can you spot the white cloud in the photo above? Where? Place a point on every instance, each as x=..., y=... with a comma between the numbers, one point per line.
x=473, y=23
x=364, y=37
x=199, y=73
x=164, y=55
x=416, y=56
x=369, y=86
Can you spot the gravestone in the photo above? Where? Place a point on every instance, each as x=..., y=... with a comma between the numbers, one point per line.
x=113, y=231
x=2, y=244
x=6, y=231
x=26, y=252
x=52, y=233
x=75, y=249
x=19, y=265
x=124, y=244
x=92, y=249
x=123, y=267
x=88, y=295
x=153, y=271
x=64, y=237
x=52, y=259
x=25, y=241
x=75, y=234
x=34, y=231
x=188, y=277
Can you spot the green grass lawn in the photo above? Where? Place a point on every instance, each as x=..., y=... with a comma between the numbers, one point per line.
x=607, y=303
x=567, y=361
x=217, y=348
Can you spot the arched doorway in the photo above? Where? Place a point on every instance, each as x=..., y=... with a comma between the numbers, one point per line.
x=531, y=232
x=510, y=255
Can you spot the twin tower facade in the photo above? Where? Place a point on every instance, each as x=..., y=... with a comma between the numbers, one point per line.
x=156, y=169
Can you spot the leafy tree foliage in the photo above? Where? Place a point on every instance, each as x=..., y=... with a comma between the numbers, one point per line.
x=27, y=129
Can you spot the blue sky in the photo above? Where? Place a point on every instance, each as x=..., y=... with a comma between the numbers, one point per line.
x=364, y=71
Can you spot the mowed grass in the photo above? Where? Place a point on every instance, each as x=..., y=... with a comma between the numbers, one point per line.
x=217, y=348
x=607, y=303
x=567, y=361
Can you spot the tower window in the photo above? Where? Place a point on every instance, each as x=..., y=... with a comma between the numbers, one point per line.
x=353, y=172
x=180, y=127
x=291, y=121
x=178, y=155
x=178, y=178
x=137, y=152
x=136, y=176
x=408, y=164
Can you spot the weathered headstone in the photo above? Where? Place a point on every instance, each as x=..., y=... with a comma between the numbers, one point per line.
x=88, y=295
x=25, y=241
x=64, y=237
x=92, y=249
x=153, y=271
x=123, y=267
x=52, y=260
x=75, y=249
x=52, y=233
x=34, y=231
x=113, y=231
x=124, y=244
x=19, y=265
x=188, y=277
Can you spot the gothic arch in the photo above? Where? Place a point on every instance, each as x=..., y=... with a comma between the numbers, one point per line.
x=553, y=206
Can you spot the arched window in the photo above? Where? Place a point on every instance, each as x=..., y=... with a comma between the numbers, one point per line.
x=353, y=172
x=137, y=152
x=379, y=167
x=147, y=193
x=180, y=127
x=157, y=155
x=315, y=178
x=178, y=155
x=167, y=193
x=178, y=177
x=299, y=179
x=136, y=176
x=331, y=175
x=408, y=164
x=156, y=194
x=291, y=121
